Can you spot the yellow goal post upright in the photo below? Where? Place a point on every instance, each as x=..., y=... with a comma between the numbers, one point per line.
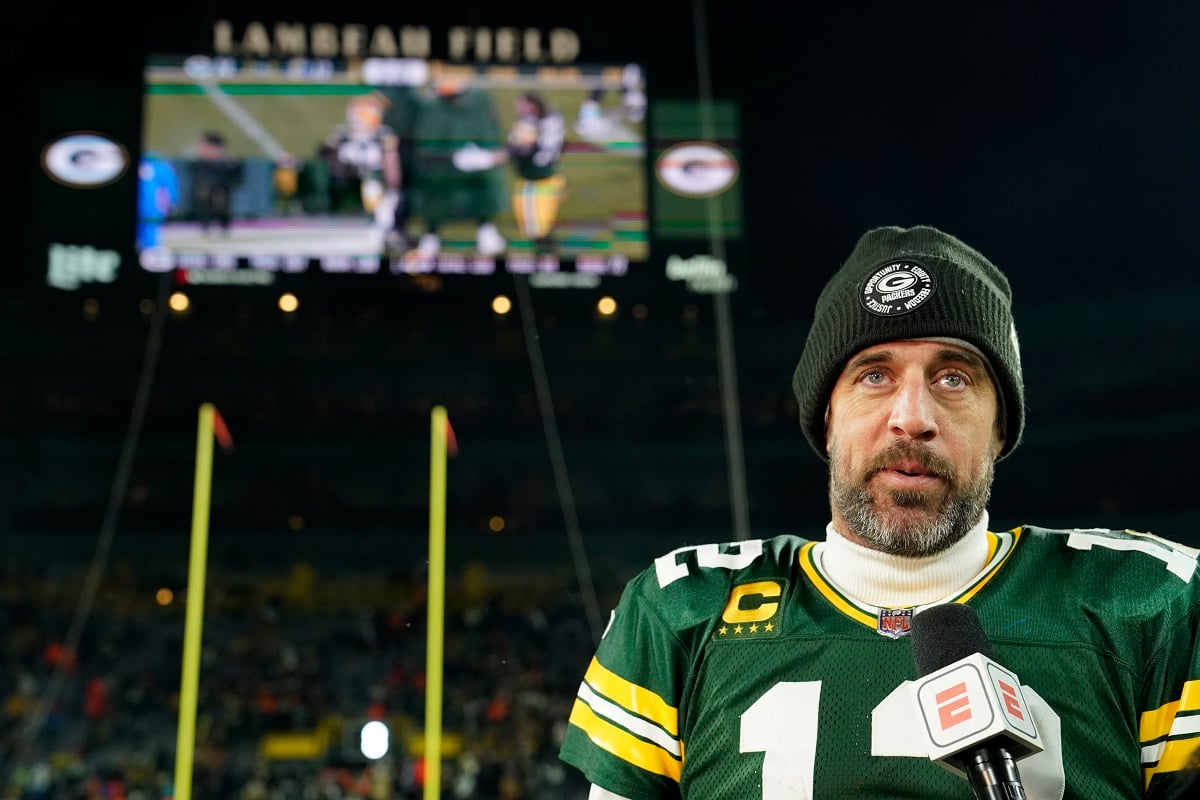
x=209, y=426
x=441, y=442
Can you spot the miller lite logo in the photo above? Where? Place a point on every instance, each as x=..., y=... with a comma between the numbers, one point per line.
x=894, y=622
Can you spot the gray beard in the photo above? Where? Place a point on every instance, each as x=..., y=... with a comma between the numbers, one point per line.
x=916, y=524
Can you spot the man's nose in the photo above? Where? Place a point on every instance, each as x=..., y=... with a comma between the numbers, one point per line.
x=913, y=412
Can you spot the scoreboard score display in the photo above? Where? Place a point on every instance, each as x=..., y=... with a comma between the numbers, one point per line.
x=286, y=151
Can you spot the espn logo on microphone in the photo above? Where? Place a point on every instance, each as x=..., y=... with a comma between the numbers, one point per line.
x=970, y=701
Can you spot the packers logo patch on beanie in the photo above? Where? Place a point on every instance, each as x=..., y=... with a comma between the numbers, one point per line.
x=897, y=288
x=910, y=283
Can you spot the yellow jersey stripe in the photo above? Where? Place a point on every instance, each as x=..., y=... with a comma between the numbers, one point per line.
x=639, y=727
x=1185, y=727
x=1157, y=723
x=630, y=696
x=1178, y=755
x=624, y=745
x=829, y=593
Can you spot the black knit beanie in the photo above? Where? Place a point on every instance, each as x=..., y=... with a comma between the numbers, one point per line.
x=910, y=283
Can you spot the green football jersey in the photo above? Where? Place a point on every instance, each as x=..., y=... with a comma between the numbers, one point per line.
x=739, y=671
x=441, y=192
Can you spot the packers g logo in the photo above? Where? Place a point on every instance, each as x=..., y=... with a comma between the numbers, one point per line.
x=85, y=160
x=751, y=610
x=696, y=169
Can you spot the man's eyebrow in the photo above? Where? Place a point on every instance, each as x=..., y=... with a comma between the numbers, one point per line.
x=965, y=357
x=867, y=359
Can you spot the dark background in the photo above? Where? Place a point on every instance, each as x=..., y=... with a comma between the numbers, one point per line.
x=1060, y=140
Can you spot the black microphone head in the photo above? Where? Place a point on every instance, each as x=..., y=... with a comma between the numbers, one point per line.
x=945, y=633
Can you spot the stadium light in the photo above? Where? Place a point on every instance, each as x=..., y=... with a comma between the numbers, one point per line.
x=373, y=739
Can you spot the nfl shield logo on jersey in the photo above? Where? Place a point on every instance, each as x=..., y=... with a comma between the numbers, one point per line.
x=894, y=622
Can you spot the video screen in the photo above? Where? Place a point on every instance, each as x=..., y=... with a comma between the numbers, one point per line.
x=398, y=164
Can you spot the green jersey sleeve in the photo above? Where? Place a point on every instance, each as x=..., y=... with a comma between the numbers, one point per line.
x=624, y=732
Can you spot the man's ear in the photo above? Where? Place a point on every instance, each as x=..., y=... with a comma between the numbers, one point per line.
x=828, y=413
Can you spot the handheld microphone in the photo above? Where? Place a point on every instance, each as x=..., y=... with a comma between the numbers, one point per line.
x=974, y=713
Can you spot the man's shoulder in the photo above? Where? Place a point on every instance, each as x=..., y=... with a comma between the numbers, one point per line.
x=1116, y=554
x=723, y=560
x=689, y=580
x=1111, y=538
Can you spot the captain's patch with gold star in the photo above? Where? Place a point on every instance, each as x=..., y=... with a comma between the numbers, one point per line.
x=752, y=611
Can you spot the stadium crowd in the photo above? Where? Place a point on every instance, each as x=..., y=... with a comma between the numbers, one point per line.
x=298, y=655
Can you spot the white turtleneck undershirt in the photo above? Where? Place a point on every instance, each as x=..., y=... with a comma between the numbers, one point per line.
x=890, y=581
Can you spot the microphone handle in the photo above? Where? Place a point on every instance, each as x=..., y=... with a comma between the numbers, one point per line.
x=993, y=774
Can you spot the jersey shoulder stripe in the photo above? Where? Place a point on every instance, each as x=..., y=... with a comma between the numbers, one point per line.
x=1170, y=734
x=628, y=737
x=635, y=699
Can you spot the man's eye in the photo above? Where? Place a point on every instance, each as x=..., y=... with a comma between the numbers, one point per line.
x=873, y=378
x=953, y=381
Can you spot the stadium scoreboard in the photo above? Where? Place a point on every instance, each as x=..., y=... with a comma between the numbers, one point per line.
x=254, y=163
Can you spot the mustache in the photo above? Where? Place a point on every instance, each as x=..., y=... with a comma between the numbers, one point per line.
x=899, y=451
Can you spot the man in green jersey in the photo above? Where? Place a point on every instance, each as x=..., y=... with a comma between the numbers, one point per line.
x=535, y=145
x=457, y=149
x=781, y=668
